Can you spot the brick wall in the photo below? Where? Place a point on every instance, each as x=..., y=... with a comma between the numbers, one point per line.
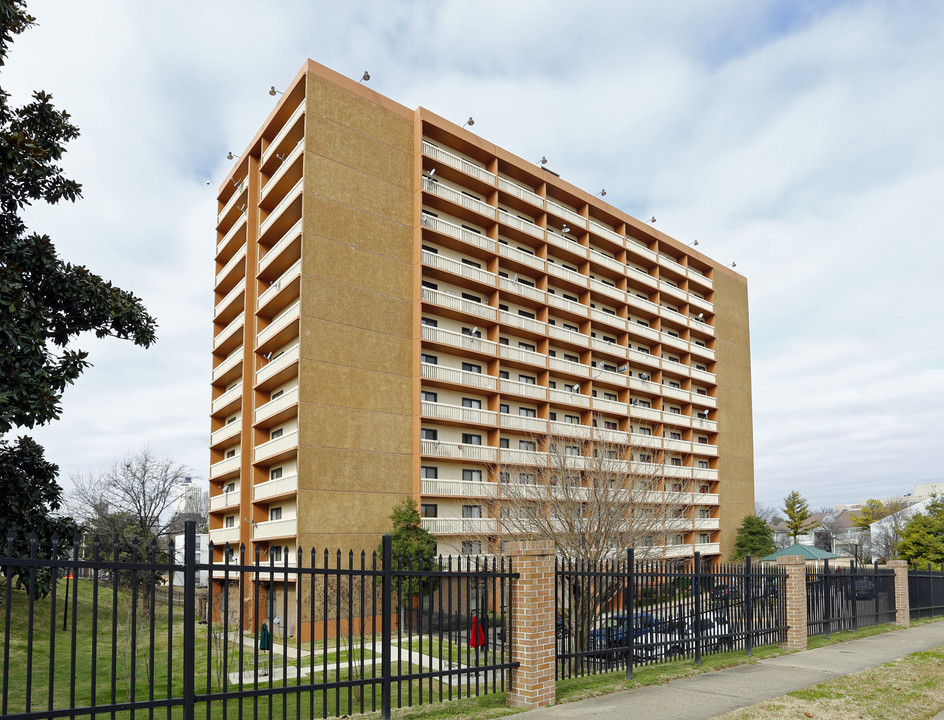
x=795, y=636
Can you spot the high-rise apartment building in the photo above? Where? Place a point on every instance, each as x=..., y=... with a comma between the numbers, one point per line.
x=403, y=307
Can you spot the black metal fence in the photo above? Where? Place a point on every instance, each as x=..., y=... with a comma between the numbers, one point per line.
x=847, y=598
x=307, y=637
x=926, y=591
x=616, y=614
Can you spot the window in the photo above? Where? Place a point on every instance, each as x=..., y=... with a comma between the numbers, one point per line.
x=471, y=367
x=471, y=475
x=572, y=419
x=677, y=487
x=674, y=384
x=429, y=472
x=525, y=479
x=232, y=419
x=675, y=436
x=610, y=425
x=703, y=440
x=703, y=489
x=609, y=339
x=466, y=261
x=609, y=396
x=429, y=359
x=503, y=442
x=527, y=412
x=231, y=453
x=502, y=341
x=430, y=322
x=472, y=332
x=701, y=391
x=471, y=547
x=229, y=521
x=527, y=379
x=677, y=462
x=275, y=554
x=429, y=510
x=572, y=298
x=527, y=445
x=672, y=358
x=704, y=538
x=472, y=229
x=470, y=296
x=571, y=450
x=504, y=477
x=527, y=346
x=470, y=439
x=275, y=513
x=672, y=333
x=430, y=285
x=525, y=313
x=429, y=434
x=277, y=433
x=427, y=396
x=675, y=410
x=503, y=408
x=553, y=416
x=276, y=395
x=643, y=403
x=471, y=511
x=471, y=403
x=275, y=473
x=502, y=306
x=503, y=374
x=571, y=358
x=643, y=430
x=430, y=248
x=229, y=487
x=703, y=464
x=572, y=328
x=704, y=513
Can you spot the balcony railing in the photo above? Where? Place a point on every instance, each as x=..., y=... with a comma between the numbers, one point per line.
x=280, y=322
x=271, y=448
x=520, y=256
x=273, y=181
x=565, y=243
x=454, y=302
x=277, y=364
x=466, y=166
x=567, y=274
x=286, y=128
x=232, y=263
x=442, y=411
x=285, y=527
x=566, y=213
x=458, y=340
x=228, y=397
x=523, y=356
x=455, y=267
x=459, y=198
x=285, y=278
x=225, y=467
x=522, y=422
x=289, y=198
x=267, y=410
x=520, y=192
x=222, y=536
x=459, y=488
x=460, y=377
x=438, y=448
x=273, y=488
x=458, y=232
x=524, y=323
x=606, y=232
x=224, y=433
x=460, y=526
x=529, y=390
x=224, y=500
x=525, y=226
x=280, y=245
x=232, y=360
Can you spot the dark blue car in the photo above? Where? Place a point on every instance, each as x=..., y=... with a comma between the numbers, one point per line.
x=613, y=632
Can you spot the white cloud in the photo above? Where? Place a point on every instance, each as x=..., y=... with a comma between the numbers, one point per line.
x=803, y=140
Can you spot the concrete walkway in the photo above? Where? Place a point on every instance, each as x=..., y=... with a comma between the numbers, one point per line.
x=715, y=693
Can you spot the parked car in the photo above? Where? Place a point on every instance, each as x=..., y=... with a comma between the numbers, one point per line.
x=613, y=632
x=678, y=637
x=861, y=588
x=726, y=592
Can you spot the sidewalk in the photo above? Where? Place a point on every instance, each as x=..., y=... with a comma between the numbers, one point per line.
x=714, y=693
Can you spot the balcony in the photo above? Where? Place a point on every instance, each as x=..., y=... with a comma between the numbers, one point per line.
x=280, y=323
x=566, y=213
x=705, y=449
x=287, y=174
x=673, y=265
x=233, y=239
x=519, y=288
x=238, y=196
x=646, y=307
x=524, y=457
x=444, y=227
x=278, y=410
x=290, y=239
x=609, y=406
x=223, y=536
x=279, y=487
x=283, y=133
x=290, y=197
x=522, y=389
x=230, y=364
x=442, y=411
x=275, y=529
x=676, y=393
x=436, y=448
x=611, y=378
x=566, y=274
x=676, y=368
x=520, y=256
x=277, y=449
x=521, y=422
x=672, y=341
x=606, y=261
x=672, y=292
x=579, y=339
x=637, y=412
x=709, y=426
x=228, y=431
x=459, y=488
x=566, y=397
x=637, y=357
x=608, y=290
x=575, y=308
x=706, y=474
x=224, y=500
x=522, y=323
x=525, y=357
x=278, y=369
x=453, y=339
x=286, y=288
x=456, y=303
x=459, y=377
x=520, y=192
x=225, y=468
x=520, y=224
x=232, y=272
x=227, y=308
x=698, y=304
x=607, y=233
x=610, y=320
x=227, y=401
x=566, y=429
x=460, y=526
x=454, y=267
x=461, y=164
x=637, y=248
x=702, y=351
x=568, y=367
x=567, y=245
x=459, y=198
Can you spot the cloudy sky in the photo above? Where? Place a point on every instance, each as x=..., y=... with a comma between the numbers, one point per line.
x=803, y=140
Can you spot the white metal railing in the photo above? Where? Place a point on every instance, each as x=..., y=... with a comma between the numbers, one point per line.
x=239, y=225
x=226, y=333
x=280, y=208
x=285, y=400
x=269, y=448
x=275, y=365
x=566, y=243
x=224, y=433
x=238, y=257
x=224, y=500
x=567, y=274
x=441, y=262
x=287, y=163
x=280, y=245
x=460, y=526
x=644, y=413
x=521, y=289
x=222, y=536
x=280, y=322
x=271, y=488
x=676, y=393
x=640, y=249
x=608, y=290
x=459, y=340
x=522, y=422
x=572, y=306
x=514, y=189
x=275, y=528
x=280, y=135
x=606, y=232
x=513, y=387
x=237, y=290
x=676, y=367
x=459, y=198
x=566, y=429
x=466, y=166
x=569, y=367
x=668, y=262
x=459, y=488
x=454, y=302
x=227, y=397
x=525, y=226
x=573, y=336
x=568, y=398
x=439, y=448
x=639, y=303
x=233, y=199
x=672, y=291
x=521, y=256
x=610, y=406
x=566, y=213
x=523, y=457
x=460, y=377
x=457, y=231
x=284, y=279
x=700, y=303
x=519, y=321
x=223, y=467
x=231, y=361
x=443, y=411
x=524, y=356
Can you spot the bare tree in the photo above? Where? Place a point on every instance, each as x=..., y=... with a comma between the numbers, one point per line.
x=593, y=498
x=140, y=490
x=767, y=513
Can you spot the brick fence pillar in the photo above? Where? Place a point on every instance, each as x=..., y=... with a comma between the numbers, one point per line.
x=902, y=603
x=533, y=643
x=795, y=636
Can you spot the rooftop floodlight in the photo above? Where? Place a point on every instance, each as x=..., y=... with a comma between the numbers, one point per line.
x=602, y=193
x=543, y=161
x=210, y=182
x=694, y=244
x=470, y=122
x=732, y=265
x=652, y=219
x=230, y=156
x=273, y=92
x=365, y=77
